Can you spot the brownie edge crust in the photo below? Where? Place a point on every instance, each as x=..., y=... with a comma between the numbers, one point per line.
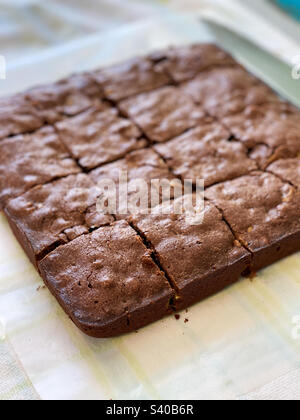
x=107, y=282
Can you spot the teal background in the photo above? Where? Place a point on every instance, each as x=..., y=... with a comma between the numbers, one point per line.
x=291, y=6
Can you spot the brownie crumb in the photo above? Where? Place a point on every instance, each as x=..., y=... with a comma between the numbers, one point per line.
x=177, y=317
x=186, y=320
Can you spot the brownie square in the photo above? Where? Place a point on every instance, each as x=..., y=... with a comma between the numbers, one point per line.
x=29, y=160
x=163, y=114
x=107, y=281
x=184, y=63
x=199, y=259
x=54, y=213
x=264, y=214
x=270, y=131
x=67, y=97
x=145, y=165
x=130, y=78
x=207, y=153
x=227, y=91
x=95, y=137
x=17, y=116
x=288, y=170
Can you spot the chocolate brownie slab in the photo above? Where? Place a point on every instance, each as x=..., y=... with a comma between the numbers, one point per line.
x=200, y=259
x=131, y=78
x=54, y=213
x=67, y=97
x=96, y=137
x=142, y=165
x=227, y=91
x=206, y=153
x=17, y=116
x=184, y=63
x=107, y=281
x=288, y=170
x=271, y=131
x=29, y=160
x=264, y=214
x=163, y=114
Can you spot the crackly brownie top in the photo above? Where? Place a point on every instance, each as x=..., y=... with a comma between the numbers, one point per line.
x=142, y=165
x=105, y=275
x=206, y=153
x=17, y=116
x=288, y=170
x=56, y=212
x=131, y=78
x=97, y=137
x=66, y=97
x=275, y=125
x=259, y=207
x=164, y=113
x=29, y=160
x=184, y=63
x=226, y=91
x=186, y=251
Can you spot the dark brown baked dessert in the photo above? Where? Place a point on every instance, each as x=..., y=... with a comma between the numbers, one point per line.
x=142, y=165
x=199, y=259
x=17, y=116
x=53, y=214
x=107, y=281
x=264, y=214
x=227, y=91
x=32, y=159
x=96, y=137
x=67, y=97
x=163, y=114
x=270, y=131
x=288, y=170
x=208, y=153
x=131, y=78
x=183, y=63
x=181, y=115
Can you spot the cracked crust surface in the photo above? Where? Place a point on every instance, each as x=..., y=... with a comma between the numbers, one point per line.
x=96, y=137
x=130, y=78
x=29, y=160
x=55, y=213
x=139, y=168
x=264, y=214
x=228, y=91
x=183, y=63
x=206, y=153
x=201, y=256
x=163, y=114
x=17, y=116
x=67, y=97
x=107, y=281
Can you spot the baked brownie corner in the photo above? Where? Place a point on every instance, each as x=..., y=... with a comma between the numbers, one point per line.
x=54, y=214
x=185, y=62
x=107, y=282
x=263, y=212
